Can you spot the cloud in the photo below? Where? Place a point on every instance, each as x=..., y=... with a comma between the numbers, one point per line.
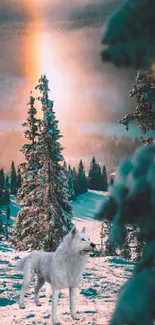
x=12, y=11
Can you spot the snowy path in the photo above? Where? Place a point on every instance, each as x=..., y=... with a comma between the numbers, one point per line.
x=102, y=280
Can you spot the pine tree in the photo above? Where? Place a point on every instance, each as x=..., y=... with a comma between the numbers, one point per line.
x=71, y=184
x=19, y=178
x=30, y=195
x=95, y=176
x=104, y=179
x=7, y=183
x=59, y=210
x=81, y=179
x=110, y=250
x=140, y=245
x=126, y=250
x=75, y=182
x=111, y=181
x=1, y=226
x=144, y=116
x=46, y=214
x=13, y=180
x=2, y=179
x=7, y=225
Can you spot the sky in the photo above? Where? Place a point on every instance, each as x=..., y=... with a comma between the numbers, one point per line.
x=61, y=38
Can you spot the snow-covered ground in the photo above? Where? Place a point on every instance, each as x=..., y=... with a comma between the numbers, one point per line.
x=97, y=294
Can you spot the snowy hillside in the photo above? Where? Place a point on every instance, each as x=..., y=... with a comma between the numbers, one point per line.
x=102, y=279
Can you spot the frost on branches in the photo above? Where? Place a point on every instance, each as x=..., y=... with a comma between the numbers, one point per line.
x=46, y=214
x=132, y=202
x=144, y=93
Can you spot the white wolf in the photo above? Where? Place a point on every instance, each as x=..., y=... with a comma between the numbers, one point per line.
x=62, y=269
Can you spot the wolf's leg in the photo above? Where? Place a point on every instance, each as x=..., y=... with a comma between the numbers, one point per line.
x=55, y=296
x=72, y=295
x=28, y=276
x=40, y=283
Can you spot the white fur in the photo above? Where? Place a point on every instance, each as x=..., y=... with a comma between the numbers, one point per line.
x=62, y=269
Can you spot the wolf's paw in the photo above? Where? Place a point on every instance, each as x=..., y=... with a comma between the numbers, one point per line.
x=55, y=321
x=76, y=316
x=21, y=306
x=38, y=303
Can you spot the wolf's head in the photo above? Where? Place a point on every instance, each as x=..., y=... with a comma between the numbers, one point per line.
x=80, y=241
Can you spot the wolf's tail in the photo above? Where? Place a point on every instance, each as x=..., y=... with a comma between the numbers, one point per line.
x=20, y=265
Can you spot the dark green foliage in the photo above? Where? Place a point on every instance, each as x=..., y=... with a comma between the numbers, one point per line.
x=7, y=225
x=104, y=179
x=71, y=185
x=1, y=226
x=19, y=178
x=97, y=180
x=94, y=175
x=13, y=179
x=2, y=179
x=81, y=179
x=4, y=197
x=109, y=250
x=140, y=245
x=74, y=172
x=111, y=181
x=7, y=182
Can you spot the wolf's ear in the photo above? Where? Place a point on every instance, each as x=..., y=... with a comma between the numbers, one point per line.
x=83, y=230
x=73, y=231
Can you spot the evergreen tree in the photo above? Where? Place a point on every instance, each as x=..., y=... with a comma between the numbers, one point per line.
x=48, y=208
x=104, y=179
x=13, y=180
x=75, y=182
x=93, y=175
x=7, y=183
x=81, y=179
x=2, y=179
x=126, y=250
x=110, y=250
x=30, y=195
x=1, y=226
x=19, y=178
x=144, y=116
x=71, y=184
x=7, y=222
x=111, y=181
x=140, y=245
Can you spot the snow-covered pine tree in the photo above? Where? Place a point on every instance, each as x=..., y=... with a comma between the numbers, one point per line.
x=57, y=207
x=13, y=179
x=81, y=179
x=104, y=179
x=144, y=93
x=30, y=220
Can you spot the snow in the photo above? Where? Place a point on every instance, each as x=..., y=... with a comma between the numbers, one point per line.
x=97, y=294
